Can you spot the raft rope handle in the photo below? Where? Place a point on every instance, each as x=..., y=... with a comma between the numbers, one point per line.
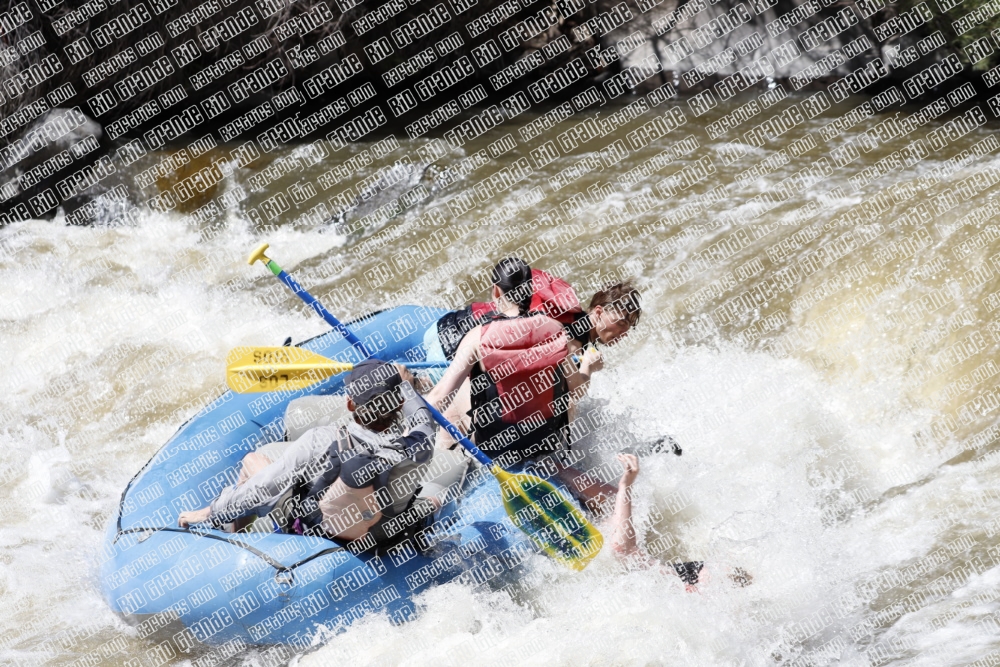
x=236, y=543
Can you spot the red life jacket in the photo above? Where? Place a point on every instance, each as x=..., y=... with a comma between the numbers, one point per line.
x=518, y=400
x=554, y=297
x=480, y=310
x=551, y=296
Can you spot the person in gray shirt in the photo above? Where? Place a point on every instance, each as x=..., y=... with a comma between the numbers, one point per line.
x=354, y=480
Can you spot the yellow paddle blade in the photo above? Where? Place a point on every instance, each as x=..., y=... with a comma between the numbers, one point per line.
x=550, y=520
x=257, y=369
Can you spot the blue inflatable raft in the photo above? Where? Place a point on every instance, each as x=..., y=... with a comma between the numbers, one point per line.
x=208, y=586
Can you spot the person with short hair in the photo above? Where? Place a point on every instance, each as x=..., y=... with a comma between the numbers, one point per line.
x=353, y=480
x=510, y=387
x=612, y=313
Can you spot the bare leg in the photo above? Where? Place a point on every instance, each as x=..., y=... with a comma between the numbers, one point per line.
x=252, y=464
x=457, y=414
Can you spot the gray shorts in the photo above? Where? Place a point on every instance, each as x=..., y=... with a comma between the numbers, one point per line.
x=357, y=472
x=274, y=450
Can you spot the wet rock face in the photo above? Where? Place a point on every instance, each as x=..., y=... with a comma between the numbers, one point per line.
x=389, y=186
x=159, y=73
x=34, y=170
x=56, y=131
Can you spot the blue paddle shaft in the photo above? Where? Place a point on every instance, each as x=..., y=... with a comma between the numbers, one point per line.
x=455, y=433
x=365, y=354
x=318, y=307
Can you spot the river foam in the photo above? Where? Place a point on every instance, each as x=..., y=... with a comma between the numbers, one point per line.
x=835, y=454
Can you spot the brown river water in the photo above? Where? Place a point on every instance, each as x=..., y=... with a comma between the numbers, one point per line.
x=825, y=358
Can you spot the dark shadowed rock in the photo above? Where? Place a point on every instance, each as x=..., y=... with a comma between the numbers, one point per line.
x=57, y=144
x=55, y=131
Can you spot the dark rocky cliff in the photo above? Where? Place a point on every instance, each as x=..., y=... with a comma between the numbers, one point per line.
x=154, y=73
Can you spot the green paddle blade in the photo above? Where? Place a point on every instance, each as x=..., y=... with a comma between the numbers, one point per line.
x=550, y=520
